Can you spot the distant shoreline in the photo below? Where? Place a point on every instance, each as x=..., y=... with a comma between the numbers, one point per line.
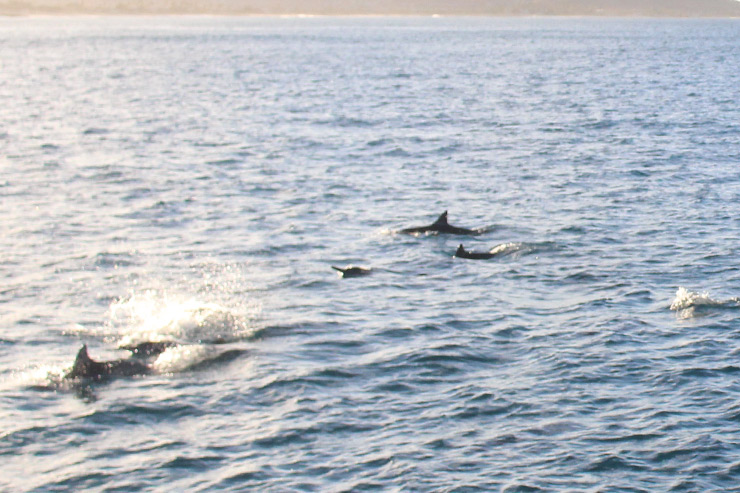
x=51, y=15
x=725, y=9
x=379, y=8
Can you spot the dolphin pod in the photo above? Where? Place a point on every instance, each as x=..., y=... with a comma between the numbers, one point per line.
x=440, y=226
x=143, y=354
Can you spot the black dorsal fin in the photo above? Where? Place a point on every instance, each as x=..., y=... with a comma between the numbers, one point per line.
x=460, y=250
x=82, y=356
x=441, y=220
x=82, y=363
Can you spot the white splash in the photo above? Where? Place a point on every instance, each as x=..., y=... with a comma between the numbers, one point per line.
x=687, y=303
x=507, y=248
x=157, y=316
x=685, y=299
x=39, y=375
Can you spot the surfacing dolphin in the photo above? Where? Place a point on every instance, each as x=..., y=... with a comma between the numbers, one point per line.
x=441, y=226
x=85, y=367
x=352, y=271
x=462, y=253
x=497, y=251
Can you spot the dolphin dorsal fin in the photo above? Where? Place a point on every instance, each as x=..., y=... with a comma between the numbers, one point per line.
x=82, y=355
x=82, y=363
x=442, y=219
x=460, y=250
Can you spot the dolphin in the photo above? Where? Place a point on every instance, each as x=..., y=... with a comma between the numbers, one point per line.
x=497, y=251
x=441, y=226
x=352, y=271
x=85, y=367
x=462, y=253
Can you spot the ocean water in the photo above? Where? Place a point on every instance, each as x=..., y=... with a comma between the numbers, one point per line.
x=193, y=180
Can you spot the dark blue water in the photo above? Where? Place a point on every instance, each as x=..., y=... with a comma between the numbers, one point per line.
x=194, y=179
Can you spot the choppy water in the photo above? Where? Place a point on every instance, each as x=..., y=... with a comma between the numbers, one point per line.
x=194, y=180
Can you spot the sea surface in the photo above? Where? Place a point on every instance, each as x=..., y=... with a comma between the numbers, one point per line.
x=194, y=179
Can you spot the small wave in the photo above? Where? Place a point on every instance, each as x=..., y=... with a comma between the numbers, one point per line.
x=95, y=131
x=378, y=142
x=476, y=412
x=346, y=122
x=352, y=122
x=601, y=124
x=613, y=463
x=228, y=162
x=110, y=176
x=191, y=464
x=113, y=260
x=689, y=304
x=397, y=152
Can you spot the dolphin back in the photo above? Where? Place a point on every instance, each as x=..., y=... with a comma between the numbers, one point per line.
x=462, y=253
x=352, y=271
x=442, y=226
x=85, y=367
